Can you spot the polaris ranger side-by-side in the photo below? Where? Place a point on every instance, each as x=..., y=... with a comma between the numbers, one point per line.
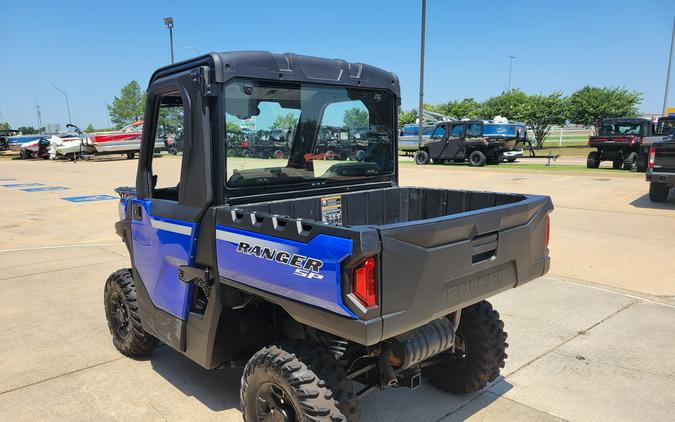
x=317, y=276
x=626, y=142
x=459, y=141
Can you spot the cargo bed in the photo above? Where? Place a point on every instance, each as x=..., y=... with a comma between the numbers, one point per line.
x=440, y=250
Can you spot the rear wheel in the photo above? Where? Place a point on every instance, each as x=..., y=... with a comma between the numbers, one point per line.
x=131, y=155
x=630, y=161
x=478, y=355
x=279, y=154
x=124, y=321
x=296, y=381
x=658, y=192
x=593, y=160
x=477, y=159
x=422, y=157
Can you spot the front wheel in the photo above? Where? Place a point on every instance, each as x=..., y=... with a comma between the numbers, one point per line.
x=131, y=155
x=421, y=157
x=478, y=355
x=658, y=192
x=296, y=381
x=124, y=321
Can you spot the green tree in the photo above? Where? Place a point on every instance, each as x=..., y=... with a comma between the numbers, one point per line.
x=541, y=112
x=589, y=105
x=129, y=106
x=467, y=108
x=232, y=127
x=5, y=126
x=285, y=121
x=509, y=104
x=89, y=128
x=28, y=130
x=355, y=118
x=406, y=117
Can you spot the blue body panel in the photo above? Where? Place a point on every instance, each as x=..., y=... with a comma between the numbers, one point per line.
x=283, y=279
x=160, y=246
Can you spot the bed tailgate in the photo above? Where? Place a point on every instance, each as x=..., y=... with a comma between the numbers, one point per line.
x=435, y=266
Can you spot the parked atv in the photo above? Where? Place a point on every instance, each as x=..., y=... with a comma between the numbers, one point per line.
x=619, y=141
x=325, y=285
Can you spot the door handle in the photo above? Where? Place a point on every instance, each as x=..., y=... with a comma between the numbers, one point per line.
x=136, y=212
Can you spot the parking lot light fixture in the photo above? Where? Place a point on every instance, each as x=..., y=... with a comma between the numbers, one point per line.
x=65, y=94
x=168, y=21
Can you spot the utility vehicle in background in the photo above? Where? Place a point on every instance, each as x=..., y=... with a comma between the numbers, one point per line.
x=459, y=141
x=661, y=169
x=325, y=280
x=620, y=140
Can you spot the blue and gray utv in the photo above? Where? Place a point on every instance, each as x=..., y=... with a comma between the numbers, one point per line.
x=324, y=279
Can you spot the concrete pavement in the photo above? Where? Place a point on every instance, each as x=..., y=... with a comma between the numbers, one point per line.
x=591, y=341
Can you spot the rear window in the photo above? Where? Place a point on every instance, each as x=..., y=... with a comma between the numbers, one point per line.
x=292, y=133
x=621, y=129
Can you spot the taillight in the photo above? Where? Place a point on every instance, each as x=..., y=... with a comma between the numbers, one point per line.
x=548, y=229
x=652, y=155
x=364, y=282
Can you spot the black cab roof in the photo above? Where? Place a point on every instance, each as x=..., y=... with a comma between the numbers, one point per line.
x=286, y=67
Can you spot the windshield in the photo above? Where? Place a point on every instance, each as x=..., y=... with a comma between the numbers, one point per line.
x=621, y=129
x=289, y=133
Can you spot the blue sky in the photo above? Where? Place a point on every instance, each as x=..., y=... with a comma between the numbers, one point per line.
x=90, y=49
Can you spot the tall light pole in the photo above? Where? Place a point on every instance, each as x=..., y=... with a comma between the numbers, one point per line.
x=65, y=94
x=670, y=64
x=510, y=66
x=39, y=115
x=169, y=24
x=420, y=108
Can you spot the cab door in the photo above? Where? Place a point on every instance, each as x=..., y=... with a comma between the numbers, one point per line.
x=437, y=141
x=455, y=148
x=173, y=193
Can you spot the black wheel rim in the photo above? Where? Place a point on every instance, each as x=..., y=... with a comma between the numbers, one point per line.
x=273, y=404
x=119, y=316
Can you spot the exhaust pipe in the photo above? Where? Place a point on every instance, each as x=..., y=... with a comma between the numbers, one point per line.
x=420, y=344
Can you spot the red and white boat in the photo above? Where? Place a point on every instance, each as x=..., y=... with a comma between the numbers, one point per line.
x=126, y=140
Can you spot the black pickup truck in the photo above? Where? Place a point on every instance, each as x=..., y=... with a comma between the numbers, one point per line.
x=315, y=275
x=661, y=169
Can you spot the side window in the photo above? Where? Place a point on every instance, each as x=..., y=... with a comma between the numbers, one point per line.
x=457, y=131
x=474, y=130
x=439, y=132
x=169, y=138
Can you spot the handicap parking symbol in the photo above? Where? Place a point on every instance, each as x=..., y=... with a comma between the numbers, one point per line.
x=44, y=189
x=89, y=198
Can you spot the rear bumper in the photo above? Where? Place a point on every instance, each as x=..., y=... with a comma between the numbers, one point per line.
x=659, y=177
